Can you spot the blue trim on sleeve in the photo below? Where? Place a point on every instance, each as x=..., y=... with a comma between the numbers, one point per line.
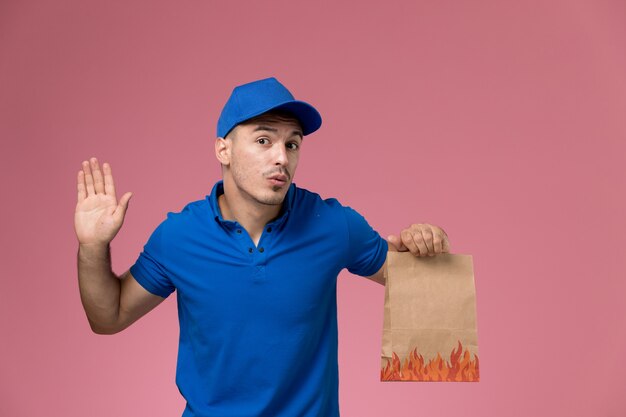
x=382, y=257
x=149, y=270
x=138, y=272
x=367, y=250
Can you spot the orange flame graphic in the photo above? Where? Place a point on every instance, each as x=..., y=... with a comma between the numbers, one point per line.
x=459, y=369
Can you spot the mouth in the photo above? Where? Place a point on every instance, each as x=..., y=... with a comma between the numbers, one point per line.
x=278, y=179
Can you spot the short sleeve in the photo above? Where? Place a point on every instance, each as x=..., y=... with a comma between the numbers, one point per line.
x=149, y=269
x=367, y=250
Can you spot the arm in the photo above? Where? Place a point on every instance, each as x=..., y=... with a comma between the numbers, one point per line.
x=381, y=275
x=111, y=303
x=99, y=287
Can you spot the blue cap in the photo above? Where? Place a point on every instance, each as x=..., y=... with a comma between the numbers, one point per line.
x=258, y=97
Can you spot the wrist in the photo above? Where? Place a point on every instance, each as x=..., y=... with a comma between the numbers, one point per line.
x=94, y=249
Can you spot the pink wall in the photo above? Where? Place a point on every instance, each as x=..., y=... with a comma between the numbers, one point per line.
x=500, y=121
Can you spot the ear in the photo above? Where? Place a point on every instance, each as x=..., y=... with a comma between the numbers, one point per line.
x=222, y=150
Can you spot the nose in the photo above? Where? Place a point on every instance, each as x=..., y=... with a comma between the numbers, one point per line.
x=281, y=155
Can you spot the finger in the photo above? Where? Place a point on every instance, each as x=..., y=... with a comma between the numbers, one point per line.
x=395, y=244
x=409, y=242
x=88, y=178
x=446, y=244
x=438, y=242
x=427, y=235
x=109, y=185
x=98, y=181
x=418, y=239
x=120, y=210
x=82, y=192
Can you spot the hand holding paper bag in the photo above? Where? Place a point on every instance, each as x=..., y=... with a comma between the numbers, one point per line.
x=429, y=328
x=421, y=239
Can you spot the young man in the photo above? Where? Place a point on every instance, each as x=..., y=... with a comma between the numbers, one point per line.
x=254, y=266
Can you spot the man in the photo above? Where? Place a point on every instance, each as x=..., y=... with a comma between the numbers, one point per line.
x=254, y=266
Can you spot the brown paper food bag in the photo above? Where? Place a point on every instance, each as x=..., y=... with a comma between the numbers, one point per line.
x=429, y=326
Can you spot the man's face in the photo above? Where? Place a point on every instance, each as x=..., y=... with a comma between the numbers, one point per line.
x=263, y=157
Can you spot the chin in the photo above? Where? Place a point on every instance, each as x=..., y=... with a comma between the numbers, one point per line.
x=274, y=198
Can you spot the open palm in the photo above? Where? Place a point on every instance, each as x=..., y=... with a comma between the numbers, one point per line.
x=99, y=216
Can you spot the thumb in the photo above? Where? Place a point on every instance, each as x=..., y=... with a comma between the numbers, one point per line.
x=123, y=204
x=395, y=244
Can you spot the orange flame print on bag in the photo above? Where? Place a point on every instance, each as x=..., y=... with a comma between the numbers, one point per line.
x=460, y=368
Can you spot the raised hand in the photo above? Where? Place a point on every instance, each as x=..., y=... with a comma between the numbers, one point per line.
x=99, y=216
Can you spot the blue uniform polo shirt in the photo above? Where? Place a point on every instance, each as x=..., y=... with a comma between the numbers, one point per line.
x=258, y=324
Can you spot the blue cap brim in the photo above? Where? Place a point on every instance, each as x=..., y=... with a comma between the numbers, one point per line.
x=309, y=118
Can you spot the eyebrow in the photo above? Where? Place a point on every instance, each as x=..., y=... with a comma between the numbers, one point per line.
x=271, y=129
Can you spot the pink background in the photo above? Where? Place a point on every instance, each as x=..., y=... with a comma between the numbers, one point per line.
x=503, y=122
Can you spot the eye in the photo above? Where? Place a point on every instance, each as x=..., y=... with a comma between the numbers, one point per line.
x=293, y=146
x=262, y=141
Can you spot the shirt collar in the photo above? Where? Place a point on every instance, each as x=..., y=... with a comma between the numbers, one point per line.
x=218, y=189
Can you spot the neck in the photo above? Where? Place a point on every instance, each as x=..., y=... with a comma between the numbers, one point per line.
x=236, y=205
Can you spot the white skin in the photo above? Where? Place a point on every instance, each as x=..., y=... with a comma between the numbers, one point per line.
x=99, y=215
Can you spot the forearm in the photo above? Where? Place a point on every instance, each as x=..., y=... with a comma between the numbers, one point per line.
x=99, y=287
